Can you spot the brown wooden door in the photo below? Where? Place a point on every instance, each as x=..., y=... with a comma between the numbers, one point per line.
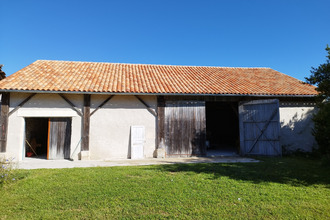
x=59, y=138
x=185, y=128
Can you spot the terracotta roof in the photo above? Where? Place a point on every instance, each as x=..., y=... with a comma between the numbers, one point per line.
x=89, y=77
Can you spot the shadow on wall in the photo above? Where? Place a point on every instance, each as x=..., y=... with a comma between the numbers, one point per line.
x=296, y=131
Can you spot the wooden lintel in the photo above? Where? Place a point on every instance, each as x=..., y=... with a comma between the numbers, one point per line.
x=4, y=121
x=21, y=104
x=86, y=123
x=147, y=106
x=102, y=104
x=72, y=105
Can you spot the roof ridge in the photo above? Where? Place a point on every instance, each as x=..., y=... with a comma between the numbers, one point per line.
x=145, y=64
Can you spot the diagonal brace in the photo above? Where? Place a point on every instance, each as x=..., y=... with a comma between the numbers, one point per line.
x=71, y=104
x=146, y=105
x=102, y=104
x=263, y=130
x=21, y=104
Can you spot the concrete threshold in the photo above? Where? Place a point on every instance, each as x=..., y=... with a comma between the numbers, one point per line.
x=32, y=163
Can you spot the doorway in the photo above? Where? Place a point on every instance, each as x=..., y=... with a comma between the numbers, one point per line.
x=222, y=128
x=36, y=137
x=48, y=138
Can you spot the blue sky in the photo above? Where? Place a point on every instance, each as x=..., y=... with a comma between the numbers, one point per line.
x=289, y=36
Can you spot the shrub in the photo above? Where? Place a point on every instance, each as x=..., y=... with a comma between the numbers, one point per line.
x=321, y=78
x=322, y=128
x=6, y=170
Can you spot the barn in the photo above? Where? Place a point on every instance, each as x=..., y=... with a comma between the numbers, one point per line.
x=103, y=111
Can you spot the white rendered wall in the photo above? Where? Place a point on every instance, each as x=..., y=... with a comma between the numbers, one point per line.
x=296, y=128
x=110, y=126
x=41, y=105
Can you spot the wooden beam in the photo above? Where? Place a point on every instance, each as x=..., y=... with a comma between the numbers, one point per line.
x=86, y=120
x=4, y=121
x=147, y=106
x=160, y=120
x=71, y=104
x=102, y=104
x=21, y=104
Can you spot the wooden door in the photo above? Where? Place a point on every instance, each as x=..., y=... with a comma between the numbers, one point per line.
x=260, y=127
x=184, y=128
x=59, y=138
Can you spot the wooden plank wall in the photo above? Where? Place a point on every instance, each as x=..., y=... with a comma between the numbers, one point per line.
x=184, y=128
x=59, y=138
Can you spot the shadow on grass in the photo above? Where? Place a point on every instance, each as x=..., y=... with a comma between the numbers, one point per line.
x=296, y=171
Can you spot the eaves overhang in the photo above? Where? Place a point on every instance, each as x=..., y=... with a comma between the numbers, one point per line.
x=160, y=94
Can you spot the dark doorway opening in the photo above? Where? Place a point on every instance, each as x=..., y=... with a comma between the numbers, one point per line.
x=36, y=137
x=222, y=128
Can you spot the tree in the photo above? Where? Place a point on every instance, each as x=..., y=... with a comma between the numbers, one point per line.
x=2, y=74
x=320, y=77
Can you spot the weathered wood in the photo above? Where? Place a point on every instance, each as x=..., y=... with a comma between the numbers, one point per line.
x=222, y=98
x=86, y=121
x=102, y=104
x=71, y=104
x=160, y=121
x=59, y=138
x=21, y=104
x=4, y=121
x=48, y=139
x=259, y=127
x=185, y=128
x=147, y=106
x=264, y=129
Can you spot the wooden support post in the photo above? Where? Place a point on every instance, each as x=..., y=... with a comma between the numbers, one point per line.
x=86, y=120
x=160, y=120
x=4, y=121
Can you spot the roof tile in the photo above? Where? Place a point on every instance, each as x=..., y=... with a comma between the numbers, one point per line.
x=44, y=75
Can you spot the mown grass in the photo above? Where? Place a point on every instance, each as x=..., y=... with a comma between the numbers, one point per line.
x=277, y=188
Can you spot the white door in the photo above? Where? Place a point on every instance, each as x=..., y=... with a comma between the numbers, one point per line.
x=137, y=142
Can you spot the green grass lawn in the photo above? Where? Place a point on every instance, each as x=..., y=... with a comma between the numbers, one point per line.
x=277, y=188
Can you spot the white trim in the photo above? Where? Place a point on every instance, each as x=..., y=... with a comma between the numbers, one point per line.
x=45, y=113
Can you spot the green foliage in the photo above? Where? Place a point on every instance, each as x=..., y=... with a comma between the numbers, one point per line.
x=322, y=128
x=276, y=188
x=321, y=78
x=2, y=74
x=6, y=171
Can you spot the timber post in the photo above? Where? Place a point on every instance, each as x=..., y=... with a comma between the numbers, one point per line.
x=160, y=151
x=4, y=121
x=85, y=127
